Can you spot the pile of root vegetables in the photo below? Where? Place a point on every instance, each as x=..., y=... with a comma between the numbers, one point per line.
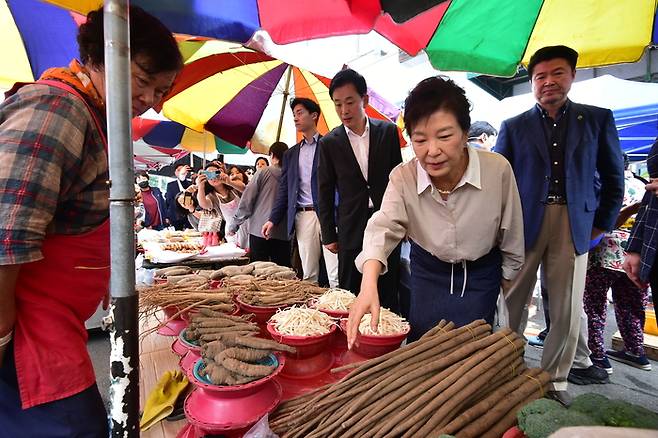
x=275, y=293
x=184, y=299
x=229, y=350
x=253, y=271
x=184, y=276
x=208, y=325
x=462, y=381
x=301, y=321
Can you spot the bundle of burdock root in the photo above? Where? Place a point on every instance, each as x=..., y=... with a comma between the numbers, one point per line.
x=462, y=381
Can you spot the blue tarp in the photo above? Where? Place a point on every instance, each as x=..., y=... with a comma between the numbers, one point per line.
x=638, y=129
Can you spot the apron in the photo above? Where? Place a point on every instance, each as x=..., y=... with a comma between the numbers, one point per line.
x=458, y=292
x=54, y=298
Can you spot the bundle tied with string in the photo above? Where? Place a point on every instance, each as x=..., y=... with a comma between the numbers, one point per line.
x=464, y=381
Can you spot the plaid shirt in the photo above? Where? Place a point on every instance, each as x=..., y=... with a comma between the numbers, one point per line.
x=53, y=171
x=644, y=236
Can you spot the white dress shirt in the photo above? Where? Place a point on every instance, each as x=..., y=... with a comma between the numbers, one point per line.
x=481, y=213
x=361, y=147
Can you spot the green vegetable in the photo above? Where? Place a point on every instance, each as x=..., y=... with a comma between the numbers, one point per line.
x=537, y=407
x=615, y=413
x=590, y=404
x=543, y=425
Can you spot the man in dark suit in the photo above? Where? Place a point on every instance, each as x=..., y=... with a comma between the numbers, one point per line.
x=174, y=215
x=557, y=149
x=355, y=161
x=297, y=199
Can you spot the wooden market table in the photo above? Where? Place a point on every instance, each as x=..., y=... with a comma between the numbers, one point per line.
x=155, y=358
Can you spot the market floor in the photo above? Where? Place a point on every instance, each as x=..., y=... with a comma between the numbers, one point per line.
x=626, y=383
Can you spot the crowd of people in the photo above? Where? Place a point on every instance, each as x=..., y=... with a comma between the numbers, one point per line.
x=481, y=212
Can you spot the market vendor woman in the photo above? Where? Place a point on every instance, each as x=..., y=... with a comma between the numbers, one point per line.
x=54, y=228
x=460, y=208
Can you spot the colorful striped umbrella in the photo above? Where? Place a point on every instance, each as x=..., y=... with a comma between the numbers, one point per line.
x=483, y=36
x=166, y=135
x=242, y=95
x=34, y=36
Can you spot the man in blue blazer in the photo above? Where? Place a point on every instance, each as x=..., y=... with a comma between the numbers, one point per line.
x=557, y=149
x=297, y=199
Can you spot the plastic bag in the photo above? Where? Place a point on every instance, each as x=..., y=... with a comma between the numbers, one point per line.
x=501, y=319
x=261, y=430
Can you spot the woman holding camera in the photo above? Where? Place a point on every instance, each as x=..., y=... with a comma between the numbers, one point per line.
x=220, y=199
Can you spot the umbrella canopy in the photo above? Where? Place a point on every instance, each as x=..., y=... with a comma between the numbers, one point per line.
x=167, y=135
x=34, y=36
x=150, y=157
x=242, y=96
x=485, y=36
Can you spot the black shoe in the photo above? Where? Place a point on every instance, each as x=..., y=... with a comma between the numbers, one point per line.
x=640, y=362
x=561, y=397
x=602, y=363
x=588, y=376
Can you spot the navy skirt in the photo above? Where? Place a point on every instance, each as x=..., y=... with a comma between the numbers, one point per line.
x=81, y=415
x=457, y=292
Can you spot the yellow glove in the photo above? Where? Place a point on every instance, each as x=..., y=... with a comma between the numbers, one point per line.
x=161, y=400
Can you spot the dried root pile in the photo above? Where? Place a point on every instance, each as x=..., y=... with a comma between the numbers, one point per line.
x=230, y=352
x=252, y=271
x=275, y=293
x=183, y=299
x=209, y=325
x=466, y=382
x=184, y=276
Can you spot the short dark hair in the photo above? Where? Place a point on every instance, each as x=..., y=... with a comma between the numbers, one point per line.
x=553, y=52
x=278, y=149
x=245, y=178
x=267, y=162
x=180, y=165
x=141, y=173
x=348, y=76
x=148, y=37
x=481, y=127
x=433, y=94
x=310, y=105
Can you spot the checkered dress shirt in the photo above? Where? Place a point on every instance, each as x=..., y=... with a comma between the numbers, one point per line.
x=644, y=236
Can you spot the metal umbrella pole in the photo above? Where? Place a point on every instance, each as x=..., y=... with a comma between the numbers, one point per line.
x=124, y=357
x=286, y=93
